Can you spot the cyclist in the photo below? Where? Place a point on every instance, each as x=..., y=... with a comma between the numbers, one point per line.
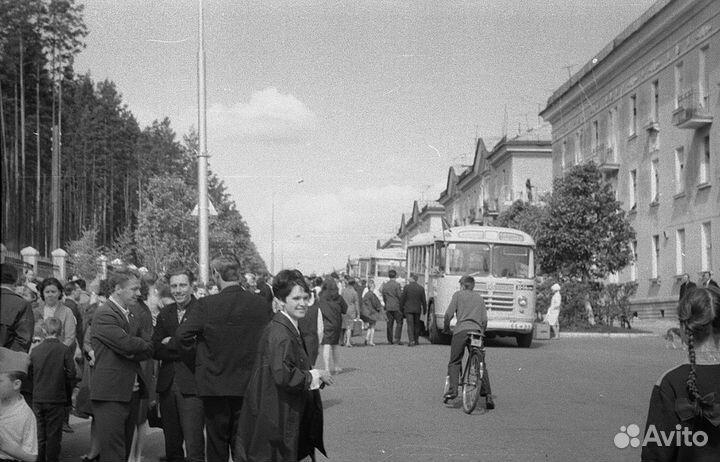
x=469, y=308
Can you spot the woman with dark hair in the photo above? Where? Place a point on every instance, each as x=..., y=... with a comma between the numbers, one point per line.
x=51, y=293
x=686, y=399
x=281, y=418
x=333, y=307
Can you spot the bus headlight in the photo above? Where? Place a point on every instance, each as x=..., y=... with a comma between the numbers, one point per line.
x=522, y=302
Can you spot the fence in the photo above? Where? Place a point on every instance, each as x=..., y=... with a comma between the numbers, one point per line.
x=59, y=265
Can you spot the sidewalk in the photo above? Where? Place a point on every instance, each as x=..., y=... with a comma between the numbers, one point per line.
x=653, y=328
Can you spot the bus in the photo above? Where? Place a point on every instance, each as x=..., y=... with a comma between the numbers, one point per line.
x=378, y=264
x=502, y=261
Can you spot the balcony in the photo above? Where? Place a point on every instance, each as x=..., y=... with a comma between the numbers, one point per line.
x=607, y=160
x=691, y=112
x=652, y=125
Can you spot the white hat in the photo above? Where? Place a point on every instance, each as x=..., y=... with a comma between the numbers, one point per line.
x=555, y=287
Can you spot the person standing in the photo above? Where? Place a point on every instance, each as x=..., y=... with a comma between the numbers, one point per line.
x=371, y=311
x=51, y=369
x=686, y=285
x=16, y=315
x=282, y=420
x=391, y=293
x=116, y=384
x=468, y=307
x=706, y=280
x=685, y=398
x=349, y=294
x=226, y=329
x=553, y=313
x=413, y=303
x=332, y=307
x=180, y=407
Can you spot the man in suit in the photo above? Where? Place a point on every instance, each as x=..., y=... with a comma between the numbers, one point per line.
x=391, y=293
x=117, y=382
x=16, y=316
x=227, y=329
x=180, y=407
x=706, y=280
x=413, y=303
x=686, y=285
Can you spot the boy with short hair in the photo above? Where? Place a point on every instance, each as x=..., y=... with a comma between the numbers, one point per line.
x=18, y=430
x=51, y=369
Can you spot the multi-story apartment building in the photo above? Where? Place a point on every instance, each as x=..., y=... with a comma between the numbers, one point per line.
x=645, y=110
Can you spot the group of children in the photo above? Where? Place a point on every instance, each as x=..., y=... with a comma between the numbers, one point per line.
x=35, y=434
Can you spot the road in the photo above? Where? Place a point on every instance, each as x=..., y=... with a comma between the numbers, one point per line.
x=559, y=400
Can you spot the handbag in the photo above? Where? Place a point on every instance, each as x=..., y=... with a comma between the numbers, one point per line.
x=357, y=328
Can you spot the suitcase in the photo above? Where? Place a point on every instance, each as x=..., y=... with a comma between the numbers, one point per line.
x=542, y=331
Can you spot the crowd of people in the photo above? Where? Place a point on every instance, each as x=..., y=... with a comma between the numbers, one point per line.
x=138, y=349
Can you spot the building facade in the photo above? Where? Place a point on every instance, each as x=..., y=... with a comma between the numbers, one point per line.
x=645, y=110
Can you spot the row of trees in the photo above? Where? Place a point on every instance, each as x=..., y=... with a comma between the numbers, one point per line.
x=583, y=236
x=74, y=154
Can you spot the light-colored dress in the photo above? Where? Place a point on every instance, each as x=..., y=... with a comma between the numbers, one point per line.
x=554, y=311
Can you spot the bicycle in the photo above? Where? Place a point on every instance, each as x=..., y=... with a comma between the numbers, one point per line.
x=474, y=380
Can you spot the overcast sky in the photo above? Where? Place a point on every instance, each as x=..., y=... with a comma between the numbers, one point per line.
x=367, y=102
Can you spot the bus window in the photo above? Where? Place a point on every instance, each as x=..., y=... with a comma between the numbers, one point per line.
x=511, y=261
x=468, y=258
x=439, y=258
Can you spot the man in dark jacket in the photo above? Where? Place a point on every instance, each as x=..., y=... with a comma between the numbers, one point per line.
x=413, y=303
x=686, y=285
x=180, y=407
x=391, y=293
x=227, y=329
x=16, y=316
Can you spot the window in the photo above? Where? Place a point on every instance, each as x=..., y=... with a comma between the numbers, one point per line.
x=633, y=189
x=705, y=161
x=595, y=137
x=633, y=262
x=633, y=115
x=578, y=147
x=705, y=247
x=654, y=102
x=655, y=181
x=679, y=170
x=678, y=83
x=654, y=264
x=704, y=84
x=563, y=153
x=680, y=251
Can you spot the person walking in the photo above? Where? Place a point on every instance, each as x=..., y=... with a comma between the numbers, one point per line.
x=391, y=293
x=332, y=307
x=412, y=304
x=553, y=313
x=224, y=330
x=349, y=294
x=371, y=311
x=686, y=398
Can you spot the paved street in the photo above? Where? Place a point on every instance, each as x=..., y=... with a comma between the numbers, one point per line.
x=557, y=401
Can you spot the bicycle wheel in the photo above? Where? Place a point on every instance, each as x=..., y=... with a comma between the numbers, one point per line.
x=472, y=382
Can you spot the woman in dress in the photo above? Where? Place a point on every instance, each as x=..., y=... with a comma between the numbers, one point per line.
x=281, y=417
x=349, y=294
x=686, y=399
x=332, y=306
x=371, y=311
x=553, y=313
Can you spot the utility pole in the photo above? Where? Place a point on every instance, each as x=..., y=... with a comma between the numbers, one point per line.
x=202, y=154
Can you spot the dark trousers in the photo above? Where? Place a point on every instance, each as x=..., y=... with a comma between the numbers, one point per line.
x=394, y=318
x=413, y=327
x=115, y=423
x=50, y=418
x=457, y=351
x=183, y=421
x=222, y=414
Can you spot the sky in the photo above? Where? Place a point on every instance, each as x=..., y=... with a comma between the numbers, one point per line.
x=342, y=113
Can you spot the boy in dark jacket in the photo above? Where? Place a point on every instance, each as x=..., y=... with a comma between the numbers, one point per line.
x=51, y=369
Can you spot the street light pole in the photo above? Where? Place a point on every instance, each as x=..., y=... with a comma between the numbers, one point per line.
x=272, y=234
x=202, y=154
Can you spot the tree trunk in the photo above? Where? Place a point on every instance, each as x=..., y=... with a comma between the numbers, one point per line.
x=5, y=166
x=23, y=176
x=38, y=228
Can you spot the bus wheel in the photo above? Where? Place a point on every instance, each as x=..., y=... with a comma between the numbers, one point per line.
x=434, y=334
x=525, y=340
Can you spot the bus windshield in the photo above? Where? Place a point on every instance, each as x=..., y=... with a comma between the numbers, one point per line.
x=468, y=258
x=511, y=261
x=499, y=260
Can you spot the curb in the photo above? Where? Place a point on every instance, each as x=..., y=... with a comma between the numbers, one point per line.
x=604, y=334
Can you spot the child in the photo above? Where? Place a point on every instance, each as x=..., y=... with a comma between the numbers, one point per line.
x=18, y=431
x=51, y=369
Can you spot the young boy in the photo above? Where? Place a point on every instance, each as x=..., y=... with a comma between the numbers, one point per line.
x=51, y=369
x=18, y=431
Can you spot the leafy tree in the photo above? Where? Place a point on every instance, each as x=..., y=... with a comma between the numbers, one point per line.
x=525, y=216
x=585, y=234
x=84, y=253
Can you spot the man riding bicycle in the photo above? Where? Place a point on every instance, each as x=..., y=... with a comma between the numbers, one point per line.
x=469, y=309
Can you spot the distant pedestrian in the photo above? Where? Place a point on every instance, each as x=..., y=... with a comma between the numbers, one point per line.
x=391, y=293
x=371, y=311
x=332, y=306
x=225, y=330
x=706, y=280
x=686, y=285
x=413, y=304
x=52, y=370
x=349, y=294
x=553, y=313
x=686, y=399
x=16, y=315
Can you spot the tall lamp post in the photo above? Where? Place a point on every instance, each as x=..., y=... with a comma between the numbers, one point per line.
x=202, y=154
